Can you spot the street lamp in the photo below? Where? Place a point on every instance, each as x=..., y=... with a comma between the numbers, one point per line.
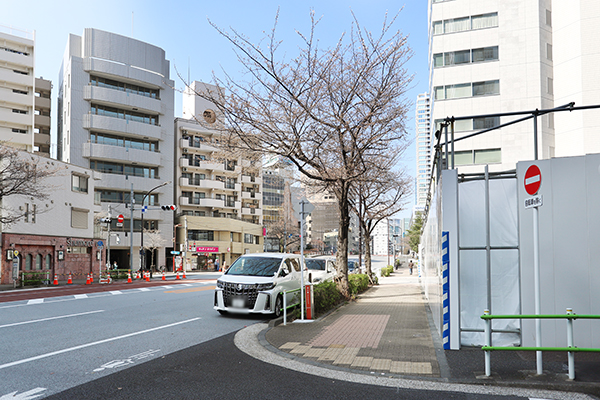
x=142, y=251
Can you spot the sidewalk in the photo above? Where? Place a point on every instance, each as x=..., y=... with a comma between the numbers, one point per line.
x=389, y=331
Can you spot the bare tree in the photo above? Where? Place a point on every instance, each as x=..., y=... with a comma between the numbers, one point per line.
x=379, y=197
x=327, y=111
x=21, y=173
x=153, y=240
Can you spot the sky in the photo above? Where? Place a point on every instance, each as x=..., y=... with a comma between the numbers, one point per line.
x=194, y=47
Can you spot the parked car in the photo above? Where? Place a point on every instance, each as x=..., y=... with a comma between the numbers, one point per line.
x=353, y=267
x=255, y=283
x=321, y=268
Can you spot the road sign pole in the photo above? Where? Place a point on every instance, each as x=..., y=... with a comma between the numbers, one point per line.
x=536, y=279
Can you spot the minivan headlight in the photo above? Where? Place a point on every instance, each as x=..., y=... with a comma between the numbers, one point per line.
x=265, y=286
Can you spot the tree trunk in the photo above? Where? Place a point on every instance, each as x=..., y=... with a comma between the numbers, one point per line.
x=342, y=250
x=368, y=252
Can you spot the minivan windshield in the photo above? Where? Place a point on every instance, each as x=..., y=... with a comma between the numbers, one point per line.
x=312, y=263
x=254, y=266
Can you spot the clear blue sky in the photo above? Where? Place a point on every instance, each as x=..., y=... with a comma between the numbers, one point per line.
x=181, y=28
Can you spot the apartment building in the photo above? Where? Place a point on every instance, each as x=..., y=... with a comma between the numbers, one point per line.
x=489, y=57
x=115, y=117
x=423, y=147
x=24, y=100
x=218, y=194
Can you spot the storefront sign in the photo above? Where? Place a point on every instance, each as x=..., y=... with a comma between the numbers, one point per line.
x=204, y=249
x=80, y=243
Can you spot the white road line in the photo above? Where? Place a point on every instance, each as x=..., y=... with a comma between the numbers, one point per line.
x=144, y=289
x=80, y=296
x=35, y=301
x=166, y=287
x=54, y=353
x=116, y=292
x=50, y=319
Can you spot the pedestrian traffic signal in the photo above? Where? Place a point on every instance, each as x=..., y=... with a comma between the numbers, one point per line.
x=105, y=220
x=169, y=207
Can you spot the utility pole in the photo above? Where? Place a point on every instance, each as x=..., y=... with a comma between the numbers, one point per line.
x=131, y=230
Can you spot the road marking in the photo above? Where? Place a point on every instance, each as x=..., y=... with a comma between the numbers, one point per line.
x=200, y=289
x=51, y=318
x=116, y=292
x=35, y=301
x=80, y=296
x=83, y=346
x=127, y=361
x=144, y=289
x=166, y=287
x=31, y=394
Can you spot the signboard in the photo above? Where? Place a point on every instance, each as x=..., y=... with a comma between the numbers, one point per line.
x=120, y=220
x=174, y=252
x=536, y=201
x=533, y=180
x=204, y=249
x=100, y=243
x=15, y=265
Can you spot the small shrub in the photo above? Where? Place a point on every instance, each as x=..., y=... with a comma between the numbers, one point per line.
x=326, y=296
x=386, y=271
x=358, y=283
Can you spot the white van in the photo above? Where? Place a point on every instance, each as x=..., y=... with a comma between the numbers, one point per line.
x=255, y=283
x=321, y=268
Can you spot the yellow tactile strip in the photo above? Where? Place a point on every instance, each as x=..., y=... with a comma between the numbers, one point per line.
x=348, y=356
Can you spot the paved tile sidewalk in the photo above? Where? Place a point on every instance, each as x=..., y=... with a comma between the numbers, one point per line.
x=386, y=331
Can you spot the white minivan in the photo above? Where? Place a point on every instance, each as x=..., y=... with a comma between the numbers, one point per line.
x=255, y=283
x=321, y=268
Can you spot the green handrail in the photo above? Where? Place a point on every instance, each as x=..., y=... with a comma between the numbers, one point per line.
x=548, y=316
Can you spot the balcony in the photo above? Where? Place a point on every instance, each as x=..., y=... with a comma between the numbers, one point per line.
x=116, y=125
x=121, y=154
x=126, y=73
x=10, y=117
x=251, y=179
x=8, y=75
x=110, y=96
x=201, y=183
x=251, y=211
x=251, y=195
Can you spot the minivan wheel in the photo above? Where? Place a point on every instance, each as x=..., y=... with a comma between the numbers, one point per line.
x=278, y=306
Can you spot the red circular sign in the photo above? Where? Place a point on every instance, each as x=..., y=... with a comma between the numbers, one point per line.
x=120, y=218
x=533, y=180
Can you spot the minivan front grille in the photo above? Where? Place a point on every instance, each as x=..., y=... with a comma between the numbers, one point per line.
x=248, y=292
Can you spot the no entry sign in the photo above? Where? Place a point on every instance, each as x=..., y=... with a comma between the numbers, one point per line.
x=533, y=180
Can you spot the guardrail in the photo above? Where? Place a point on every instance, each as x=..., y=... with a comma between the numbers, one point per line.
x=285, y=306
x=571, y=349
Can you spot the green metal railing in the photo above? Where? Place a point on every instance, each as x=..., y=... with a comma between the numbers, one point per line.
x=571, y=349
x=285, y=306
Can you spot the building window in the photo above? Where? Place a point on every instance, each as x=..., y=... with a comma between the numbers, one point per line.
x=112, y=196
x=119, y=141
x=48, y=264
x=550, y=86
x=248, y=238
x=201, y=235
x=465, y=23
x=549, y=51
x=471, y=157
x=16, y=130
x=122, y=169
x=79, y=183
x=28, y=259
x=125, y=87
x=79, y=218
x=124, y=114
x=38, y=262
x=486, y=88
x=548, y=17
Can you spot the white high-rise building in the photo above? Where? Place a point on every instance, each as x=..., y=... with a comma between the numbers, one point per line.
x=24, y=99
x=115, y=116
x=492, y=57
x=423, y=147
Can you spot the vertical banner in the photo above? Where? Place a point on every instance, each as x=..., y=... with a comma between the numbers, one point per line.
x=445, y=291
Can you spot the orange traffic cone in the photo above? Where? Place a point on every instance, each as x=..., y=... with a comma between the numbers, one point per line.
x=147, y=276
x=92, y=277
x=184, y=274
x=70, y=280
x=129, y=277
x=177, y=276
x=55, y=280
x=87, y=282
x=163, y=278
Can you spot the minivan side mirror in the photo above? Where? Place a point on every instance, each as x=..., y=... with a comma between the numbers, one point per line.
x=282, y=273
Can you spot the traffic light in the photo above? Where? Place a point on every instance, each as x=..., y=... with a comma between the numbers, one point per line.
x=105, y=220
x=169, y=207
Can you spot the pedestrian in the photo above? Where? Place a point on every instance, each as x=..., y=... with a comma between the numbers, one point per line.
x=115, y=267
x=217, y=264
x=410, y=266
x=224, y=266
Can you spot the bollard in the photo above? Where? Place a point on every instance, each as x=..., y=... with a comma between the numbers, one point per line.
x=571, y=354
x=488, y=342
